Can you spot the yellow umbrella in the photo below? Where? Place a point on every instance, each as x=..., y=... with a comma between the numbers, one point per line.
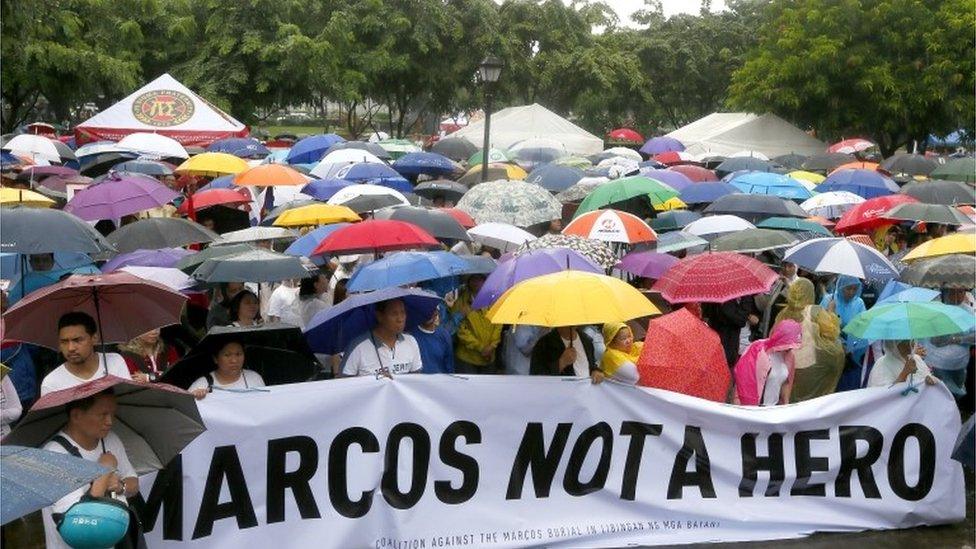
x=570, y=298
x=670, y=204
x=315, y=214
x=212, y=164
x=957, y=243
x=511, y=170
x=24, y=197
x=810, y=177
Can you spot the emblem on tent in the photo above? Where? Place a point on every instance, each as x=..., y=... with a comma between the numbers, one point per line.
x=162, y=108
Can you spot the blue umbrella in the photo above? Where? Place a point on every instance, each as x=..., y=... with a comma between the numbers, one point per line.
x=404, y=268
x=658, y=145
x=899, y=292
x=323, y=189
x=222, y=182
x=9, y=158
x=396, y=183
x=10, y=263
x=361, y=172
x=312, y=148
x=244, y=147
x=146, y=167
x=417, y=163
x=554, y=177
x=706, y=193
x=912, y=320
x=771, y=183
x=163, y=257
x=674, y=220
x=33, y=479
x=331, y=331
x=676, y=180
x=303, y=246
x=864, y=183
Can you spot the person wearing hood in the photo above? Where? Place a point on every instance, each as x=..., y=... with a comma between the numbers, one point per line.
x=764, y=374
x=619, y=361
x=900, y=362
x=948, y=356
x=845, y=301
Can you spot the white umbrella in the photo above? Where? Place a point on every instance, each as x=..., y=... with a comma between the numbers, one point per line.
x=624, y=152
x=751, y=154
x=501, y=236
x=97, y=147
x=831, y=204
x=841, y=256
x=336, y=160
x=627, y=164
x=255, y=234
x=152, y=144
x=353, y=191
x=378, y=136
x=167, y=276
x=538, y=143
x=33, y=146
x=717, y=224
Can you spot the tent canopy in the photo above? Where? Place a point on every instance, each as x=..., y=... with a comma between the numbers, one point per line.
x=166, y=107
x=514, y=124
x=725, y=133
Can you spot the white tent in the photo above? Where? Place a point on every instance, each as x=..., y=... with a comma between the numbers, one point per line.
x=726, y=133
x=166, y=107
x=514, y=124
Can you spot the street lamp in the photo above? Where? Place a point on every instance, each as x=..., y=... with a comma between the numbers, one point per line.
x=489, y=70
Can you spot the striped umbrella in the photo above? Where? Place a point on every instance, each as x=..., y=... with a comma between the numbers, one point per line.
x=611, y=226
x=841, y=256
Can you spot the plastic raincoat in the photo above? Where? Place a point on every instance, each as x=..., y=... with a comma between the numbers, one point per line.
x=754, y=365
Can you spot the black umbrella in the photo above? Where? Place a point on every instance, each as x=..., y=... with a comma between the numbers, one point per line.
x=827, y=161
x=159, y=232
x=455, y=148
x=225, y=218
x=737, y=163
x=277, y=351
x=755, y=207
x=417, y=200
x=955, y=271
x=258, y=265
x=190, y=263
x=964, y=451
x=449, y=190
x=940, y=192
x=371, y=202
x=712, y=161
x=99, y=164
x=555, y=178
x=929, y=213
x=909, y=164
x=792, y=161
x=42, y=230
x=373, y=148
x=438, y=223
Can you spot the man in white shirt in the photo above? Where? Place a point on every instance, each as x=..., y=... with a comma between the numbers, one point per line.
x=88, y=435
x=283, y=305
x=77, y=339
x=385, y=350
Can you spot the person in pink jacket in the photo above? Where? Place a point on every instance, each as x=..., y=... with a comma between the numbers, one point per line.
x=764, y=373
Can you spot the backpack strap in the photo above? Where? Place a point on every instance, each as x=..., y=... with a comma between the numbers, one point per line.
x=210, y=382
x=68, y=447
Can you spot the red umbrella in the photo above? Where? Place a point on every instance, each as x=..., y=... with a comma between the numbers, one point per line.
x=462, y=217
x=625, y=134
x=375, y=235
x=695, y=173
x=674, y=157
x=714, y=278
x=216, y=197
x=124, y=305
x=682, y=354
x=868, y=214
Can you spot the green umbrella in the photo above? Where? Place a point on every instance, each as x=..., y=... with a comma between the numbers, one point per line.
x=960, y=169
x=753, y=241
x=494, y=155
x=794, y=224
x=626, y=188
x=930, y=213
x=953, y=271
x=914, y=320
x=574, y=162
x=398, y=147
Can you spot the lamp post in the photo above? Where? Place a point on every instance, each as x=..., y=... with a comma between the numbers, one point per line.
x=489, y=70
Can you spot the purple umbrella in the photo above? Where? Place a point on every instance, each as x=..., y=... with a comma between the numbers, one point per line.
x=37, y=173
x=119, y=196
x=646, y=264
x=164, y=257
x=677, y=180
x=529, y=265
x=658, y=145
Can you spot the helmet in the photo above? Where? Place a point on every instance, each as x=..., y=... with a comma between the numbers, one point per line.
x=95, y=523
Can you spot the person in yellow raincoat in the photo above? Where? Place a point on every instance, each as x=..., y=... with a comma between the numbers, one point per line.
x=620, y=359
x=477, y=337
x=820, y=359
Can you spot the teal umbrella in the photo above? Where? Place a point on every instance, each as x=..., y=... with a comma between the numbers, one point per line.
x=913, y=320
x=494, y=155
x=793, y=224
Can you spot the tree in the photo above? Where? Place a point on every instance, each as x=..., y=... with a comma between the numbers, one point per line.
x=895, y=70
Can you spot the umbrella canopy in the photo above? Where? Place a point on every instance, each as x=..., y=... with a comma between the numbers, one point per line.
x=869, y=214
x=455, y=148
x=332, y=330
x=124, y=305
x=678, y=240
x=375, y=235
x=739, y=163
x=146, y=167
x=930, y=213
x=755, y=207
x=959, y=169
x=37, y=173
x=940, y=192
x=657, y=145
x=831, y=205
x=793, y=224
x=611, y=226
x=501, y=236
x=646, y=264
x=555, y=177
x=347, y=194
x=864, y=183
x=581, y=189
x=792, y=161
x=440, y=224
x=270, y=175
x=441, y=188
x=841, y=256
x=244, y=147
x=33, y=147
x=626, y=188
x=682, y=354
x=674, y=220
x=159, y=232
x=212, y=165
x=753, y=241
x=851, y=146
x=173, y=279
x=910, y=320
x=697, y=174
x=626, y=135
x=706, y=193
x=32, y=479
x=22, y=197
x=514, y=202
x=956, y=243
x=808, y=177
x=398, y=147
x=717, y=224
x=428, y=163
x=495, y=172
x=528, y=265
x=153, y=144
x=494, y=155
x=42, y=230
x=56, y=186
x=189, y=263
x=594, y=250
x=155, y=421
x=827, y=161
x=255, y=234
x=403, y=268
x=119, y=196
x=303, y=246
x=312, y=148
x=772, y=184
x=676, y=180
x=672, y=158
x=165, y=257
x=215, y=197
x=324, y=189
x=99, y=164
x=954, y=271
x=314, y=215
x=257, y=265
x=909, y=164
x=714, y=278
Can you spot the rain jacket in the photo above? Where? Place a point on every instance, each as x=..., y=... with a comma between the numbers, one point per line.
x=474, y=334
x=753, y=367
x=846, y=311
x=820, y=359
x=618, y=364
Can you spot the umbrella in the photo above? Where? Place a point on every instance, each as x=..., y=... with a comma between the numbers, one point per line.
x=625, y=134
x=831, y=205
x=851, y=146
x=269, y=175
x=22, y=197
x=33, y=479
x=536, y=151
x=244, y=147
x=940, y=192
x=911, y=320
x=869, y=214
x=405, y=268
x=441, y=188
x=398, y=147
x=276, y=351
x=959, y=169
x=146, y=167
x=594, y=250
x=682, y=354
x=676, y=180
x=697, y=174
x=793, y=224
x=33, y=147
x=378, y=174
x=570, y=298
x=555, y=177
x=36, y=173
x=964, y=449
x=657, y=145
x=155, y=421
x=792, y=161
x=772, y=184
x=56, y=186
x=501, y=236
x=955, y=271
x=331, y=330
x=671, y=158
x=624, y=189
x=581, y=189
x=173, y=279
x=714, y=277
x=827, y=161
x=494, y=156
x=312, y=148
x=807, y=177
x=417, y=163
x=455, y=148
x=314, y=215
x=956, y=243
x=41, y=230
x=753, y=241
x=189, y=263
x=438, y=223
x=463, y=218
x=528, y=265
x=865, y=183
x=739, y=163
x=303, y=246
x=755, y=207
x=855, y=166
x=899, y=292
x=372, y=148
x=909, y=164
x=646, y=264
x=153, y=144
x=257, y=265
x=611, y=226
x=495, y=172
x=324, y=189
x=165, y=257
x=159, y=232
x=256, y=234
x=717, y=224
x=373, y=202
x=706, y=193
x=841, y=256
x=215, y=197
x=674, y=220
x=212, y=165
x=125, y=306
x=375, y=235
x=99, y=164
x=119, y=196
x=343, y=196
x=514, y=202
x=929, y=213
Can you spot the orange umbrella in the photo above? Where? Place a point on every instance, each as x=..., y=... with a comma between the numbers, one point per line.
x=270, y=175
x=856, y=166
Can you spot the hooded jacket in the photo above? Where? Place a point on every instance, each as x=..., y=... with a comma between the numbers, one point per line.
x=753, y=367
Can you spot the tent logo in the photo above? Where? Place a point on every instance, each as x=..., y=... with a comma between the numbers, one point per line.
x=162, y=108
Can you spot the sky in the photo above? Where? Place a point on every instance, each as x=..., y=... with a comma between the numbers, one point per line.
x=625, y=8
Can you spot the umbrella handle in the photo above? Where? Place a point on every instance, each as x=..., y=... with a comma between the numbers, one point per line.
x=101, y=336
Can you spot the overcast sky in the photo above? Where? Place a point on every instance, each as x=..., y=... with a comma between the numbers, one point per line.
x=625, y=8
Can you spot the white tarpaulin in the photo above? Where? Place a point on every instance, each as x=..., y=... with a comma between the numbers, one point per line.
x=726, y=133
x=514, y=124
x=445, y=461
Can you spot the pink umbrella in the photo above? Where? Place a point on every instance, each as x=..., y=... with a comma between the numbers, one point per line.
x=714, y=278
x=124, y=305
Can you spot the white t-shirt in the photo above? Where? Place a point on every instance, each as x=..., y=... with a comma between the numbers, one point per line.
x=581, y=367
x=779, y=372
x=10, y=408
x=112, y=444
x=61, y=378
x=365, y=358
x=308, y=308
x=283, y=304
x=247, y=379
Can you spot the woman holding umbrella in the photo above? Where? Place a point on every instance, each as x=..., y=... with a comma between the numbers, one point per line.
x=229, y=372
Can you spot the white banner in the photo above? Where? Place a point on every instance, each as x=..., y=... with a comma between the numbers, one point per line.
x=494, y=461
